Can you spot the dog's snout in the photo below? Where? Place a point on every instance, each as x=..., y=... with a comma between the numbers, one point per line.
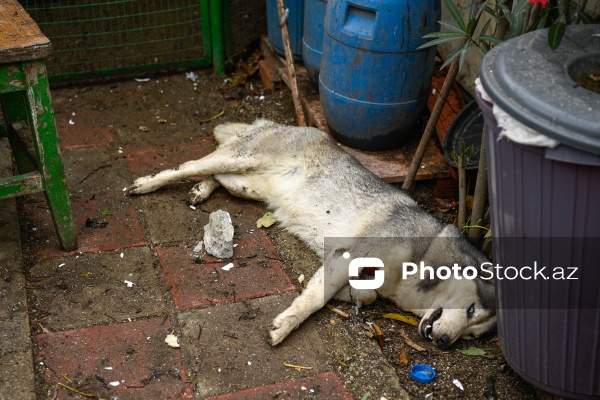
x=443, y=342
x=426, y=326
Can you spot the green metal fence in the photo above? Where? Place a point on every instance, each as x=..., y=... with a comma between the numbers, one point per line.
x=97, y=38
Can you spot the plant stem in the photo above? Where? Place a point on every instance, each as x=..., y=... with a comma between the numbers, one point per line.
x=480, y=197
x=462, y=191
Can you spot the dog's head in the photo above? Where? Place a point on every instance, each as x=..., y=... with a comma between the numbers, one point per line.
x=467, y=313
x=460, y=308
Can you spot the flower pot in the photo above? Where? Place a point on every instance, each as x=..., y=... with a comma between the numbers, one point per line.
x=545, y=210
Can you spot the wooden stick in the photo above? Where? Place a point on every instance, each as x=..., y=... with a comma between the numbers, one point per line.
x=429, y=129
x=289, y=58
x=337, y=311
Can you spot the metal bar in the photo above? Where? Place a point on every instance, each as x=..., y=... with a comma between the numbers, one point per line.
x=216, y=28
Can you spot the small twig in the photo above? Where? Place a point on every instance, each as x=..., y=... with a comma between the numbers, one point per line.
x=297, y=367
x=337, y=311
x=94, y=171
x=289, y=58
x=76, y=391
x=200, y=331
x=67, y=378
x=214, y=117
x=409, y=342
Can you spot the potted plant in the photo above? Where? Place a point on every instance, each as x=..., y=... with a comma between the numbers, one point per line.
x=541, y=107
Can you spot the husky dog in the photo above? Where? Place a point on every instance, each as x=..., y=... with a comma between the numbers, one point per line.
x=317, y=191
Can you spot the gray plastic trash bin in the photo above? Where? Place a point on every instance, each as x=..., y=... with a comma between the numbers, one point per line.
x=545, y=208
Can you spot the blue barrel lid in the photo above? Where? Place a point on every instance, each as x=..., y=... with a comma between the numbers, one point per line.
x=422, y=373
x=544, y=88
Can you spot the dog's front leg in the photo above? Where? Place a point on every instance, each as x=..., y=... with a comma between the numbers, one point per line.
x=321, y=288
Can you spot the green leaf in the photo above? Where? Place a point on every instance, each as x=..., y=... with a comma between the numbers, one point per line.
x=472, y=351
x=366, y=396
x=438, y=41
x=450, y=26
x=491, y=39
x=463, y=54
x=556, y=33
x=471, y=26
x=443, y=34
x=585, y=18
x=105, y=213
x=455, y=14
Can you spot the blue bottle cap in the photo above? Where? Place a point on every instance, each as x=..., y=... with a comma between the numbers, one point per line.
x=422, y=373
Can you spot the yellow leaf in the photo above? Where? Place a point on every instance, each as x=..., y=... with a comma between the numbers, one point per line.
x=266, y=220
x=407, y=319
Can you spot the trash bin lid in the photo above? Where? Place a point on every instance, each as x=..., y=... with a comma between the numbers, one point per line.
x=550, y=90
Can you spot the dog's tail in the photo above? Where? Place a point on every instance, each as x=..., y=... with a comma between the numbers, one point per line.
x=225, y=132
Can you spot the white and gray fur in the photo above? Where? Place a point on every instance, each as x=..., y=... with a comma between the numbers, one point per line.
x=317, y=191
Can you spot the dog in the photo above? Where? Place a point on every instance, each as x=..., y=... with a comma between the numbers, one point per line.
x=316, y=191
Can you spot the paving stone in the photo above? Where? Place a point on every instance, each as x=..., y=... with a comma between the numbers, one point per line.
x=16, y=369
x=324, y=386
x=82, y=129
x=229, y=348
x=96, y=170
x=124, y=361
x=256, y=273
x=103, y=222
x=76, y=292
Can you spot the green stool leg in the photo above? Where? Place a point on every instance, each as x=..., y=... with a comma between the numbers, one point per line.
x=45, y=137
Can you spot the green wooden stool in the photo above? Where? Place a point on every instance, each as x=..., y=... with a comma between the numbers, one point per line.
x=25, y=96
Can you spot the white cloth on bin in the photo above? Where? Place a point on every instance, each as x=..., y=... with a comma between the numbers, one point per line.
x=512, y=129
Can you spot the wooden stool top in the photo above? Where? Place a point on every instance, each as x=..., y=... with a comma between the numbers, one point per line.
x=20, y=37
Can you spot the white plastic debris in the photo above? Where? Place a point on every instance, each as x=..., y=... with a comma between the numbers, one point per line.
x=115, y=383
x=62, y=265
x=458, y=384
x=108, y=368
x=71, y=122
x=218, y=235
x=228, y=267
x=129, y=283
x=429, y=396
x=142, y=79
x=172, y=340
x=122, y=255
x=191, y=76
x=198, y=251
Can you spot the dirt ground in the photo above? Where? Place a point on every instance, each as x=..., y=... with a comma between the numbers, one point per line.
x=176, y=109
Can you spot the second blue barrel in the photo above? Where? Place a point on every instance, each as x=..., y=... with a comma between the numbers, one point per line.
x=312, y=37
x=373, y=81
x=295, y=23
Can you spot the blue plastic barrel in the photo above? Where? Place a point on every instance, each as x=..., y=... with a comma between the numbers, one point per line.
x=295, y=23
x=373, y=82
x=312, y=39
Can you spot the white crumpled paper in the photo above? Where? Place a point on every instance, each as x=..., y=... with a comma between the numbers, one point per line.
x=512, y=129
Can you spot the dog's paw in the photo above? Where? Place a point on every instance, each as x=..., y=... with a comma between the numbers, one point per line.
x=202, y=191
x=142, y=185
x=281, y=327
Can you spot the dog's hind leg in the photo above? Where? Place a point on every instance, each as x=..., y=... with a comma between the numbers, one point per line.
x=221, y=161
